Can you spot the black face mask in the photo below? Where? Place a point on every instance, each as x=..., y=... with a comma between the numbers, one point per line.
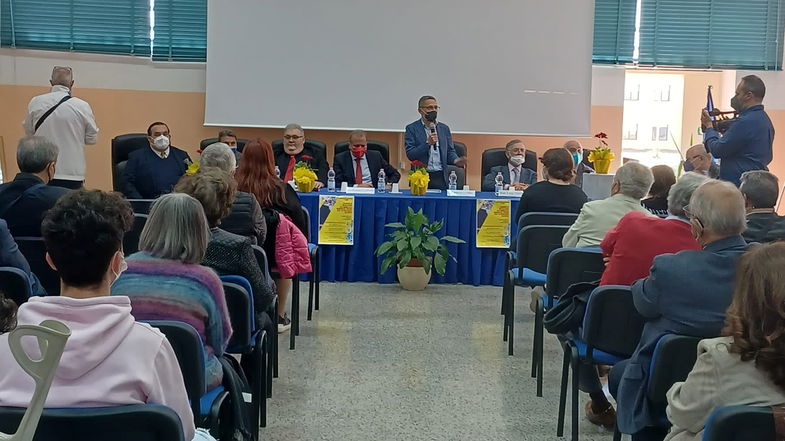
x=430, y=116
x=735, y=104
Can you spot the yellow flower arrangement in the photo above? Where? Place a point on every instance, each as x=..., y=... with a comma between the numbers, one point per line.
x=418, y=178
x=304, y=177
x=193, y=167
x=601, y=156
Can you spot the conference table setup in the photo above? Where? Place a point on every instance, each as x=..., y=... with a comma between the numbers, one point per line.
x=474, y=264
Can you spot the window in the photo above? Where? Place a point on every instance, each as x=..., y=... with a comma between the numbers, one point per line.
x=653, y=133
x=633, y=93
x=631, y=134
x=663, y=94
x=663, y=133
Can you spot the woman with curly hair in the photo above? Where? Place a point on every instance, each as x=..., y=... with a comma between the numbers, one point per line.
x=747, y=365
x=555, y=194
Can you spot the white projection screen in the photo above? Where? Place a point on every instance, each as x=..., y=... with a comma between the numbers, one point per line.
x=495, y=66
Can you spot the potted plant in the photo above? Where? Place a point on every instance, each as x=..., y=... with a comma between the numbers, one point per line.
x=304, y=177
x=601, y=156
x=418, y=178
x=415, y=249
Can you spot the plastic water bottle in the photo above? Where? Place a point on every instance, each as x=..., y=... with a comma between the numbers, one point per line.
x=453, y=180
x=499, y=183
x=277, y=172
x=382, y=182
x=331, y=180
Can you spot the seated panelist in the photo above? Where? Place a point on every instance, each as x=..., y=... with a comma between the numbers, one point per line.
x=294, y=151
x=516, y=177
x=360, y=166
x=151, y=172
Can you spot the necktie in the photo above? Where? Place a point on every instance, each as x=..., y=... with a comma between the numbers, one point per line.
x=289, y=169
x=516, y=175
x=163, y=155
x=358, y=173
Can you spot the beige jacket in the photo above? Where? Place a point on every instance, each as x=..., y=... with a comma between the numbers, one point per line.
x=718, y=378
x=598, y=217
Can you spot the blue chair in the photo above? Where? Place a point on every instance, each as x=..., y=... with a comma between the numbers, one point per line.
x=740, y=423
x=545, y=218
x=15, y=284
x=261, y=259
x=141, y=206
x=135, y=422
x=131, y=237
x=610, y=333
x=34, y=250
x=315, y=278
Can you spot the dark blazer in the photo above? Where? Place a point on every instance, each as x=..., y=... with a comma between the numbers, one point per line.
x=245, y=218
x=344, y=165
x=418, y=149
x=528, y=176
x=11, y=256
x=764, y=227
x=147, y=176
x=25, y=215
x=685, y=293
x=316, y=162
x=580, y=170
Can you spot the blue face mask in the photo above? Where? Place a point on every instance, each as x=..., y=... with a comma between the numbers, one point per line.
x=576, y=158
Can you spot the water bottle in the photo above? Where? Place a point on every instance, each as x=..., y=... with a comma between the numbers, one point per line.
x=380, y=186
x=331, y=180
x=453, y=180
x=499, y=183
x=277, y=172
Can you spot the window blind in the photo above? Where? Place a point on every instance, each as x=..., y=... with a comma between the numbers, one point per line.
x=180, y=31
x=614, y=30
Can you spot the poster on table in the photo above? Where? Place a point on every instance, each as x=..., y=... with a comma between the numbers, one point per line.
x=336, y=220
x=493, y=223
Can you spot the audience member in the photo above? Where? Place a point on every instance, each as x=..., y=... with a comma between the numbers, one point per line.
x=657, y=202
x=631, y=246
x=745, y=365
x=360, y=166
x=7, y=314
x=700, y=161
x=257, y=176
x=165, y=281
x=66, y=121
x=110, y=359
x=12, y=257
x=152, y=172
x=430, y=142
x=245, y=217
x=554, y=194
x=227, y=253
x=576, y=151
x=685, y=293
x=515, y=176
x=24, y=200
x=228, y=137
x=631, y=183
x=760, y=190
x=294, y=151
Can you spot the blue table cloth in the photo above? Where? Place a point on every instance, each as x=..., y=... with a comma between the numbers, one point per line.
x=357, y=263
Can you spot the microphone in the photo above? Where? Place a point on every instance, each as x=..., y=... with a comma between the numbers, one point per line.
x=433, y=132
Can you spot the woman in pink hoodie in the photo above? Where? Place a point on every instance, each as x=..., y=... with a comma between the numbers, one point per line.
x=110, y=359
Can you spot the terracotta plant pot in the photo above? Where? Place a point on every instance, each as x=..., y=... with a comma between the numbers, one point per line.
x=413, y=277
x=602, y=165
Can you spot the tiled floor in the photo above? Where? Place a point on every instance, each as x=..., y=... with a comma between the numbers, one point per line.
x=379, y=363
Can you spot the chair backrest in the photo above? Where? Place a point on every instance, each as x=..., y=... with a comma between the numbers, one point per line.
x=460, y=173
x=535, y=244
x=261, y=259
x=740, y=423
x=122, y=146
x=141, y=206
x=460, y=148
x=612, y=324
x=318, y=147
x=131, y=237
x=496, y=156
x=241, y=142
x=135, y=422
x=380, y=146
x=568, y=266
x=239, y=303
x=673, y=359
x=34, y=250
x=544, y=218
x=307, y=224
x=14, y=284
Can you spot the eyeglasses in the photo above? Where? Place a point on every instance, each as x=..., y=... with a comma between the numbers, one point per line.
x=687, y=212
x=429, y=108
x=291, y=137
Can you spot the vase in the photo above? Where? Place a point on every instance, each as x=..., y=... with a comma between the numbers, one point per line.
x=305, y=188
x=413, y=278
x=418, y=190
x=602, y=165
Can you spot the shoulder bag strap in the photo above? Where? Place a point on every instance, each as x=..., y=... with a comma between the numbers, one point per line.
x=49, y=112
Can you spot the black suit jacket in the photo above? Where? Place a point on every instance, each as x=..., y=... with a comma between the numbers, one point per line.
x=344, y=166
x=764, y=227
x=25, y=215
x=147, y=176
x=317, y=162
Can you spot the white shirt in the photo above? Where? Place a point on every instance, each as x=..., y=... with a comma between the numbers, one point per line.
x=434, y=156
x=69, y=127
x=161, y=154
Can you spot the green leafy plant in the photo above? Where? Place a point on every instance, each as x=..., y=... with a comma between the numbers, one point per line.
x=416, y=239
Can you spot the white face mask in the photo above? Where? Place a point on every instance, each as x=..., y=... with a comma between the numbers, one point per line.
x=123, y=267
x=516, y=160
x=161, y=142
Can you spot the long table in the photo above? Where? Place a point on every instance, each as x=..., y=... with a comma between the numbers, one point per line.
x=357, y=263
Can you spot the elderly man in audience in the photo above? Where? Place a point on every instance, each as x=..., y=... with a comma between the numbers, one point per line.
x=245, y=217
x=761, y=190
x=24, y=200
x=700, y=161
x=515, y=176
x=152, y=172
x=631, y=183
x=685, y=293
x=294, y=151
x=576, y=151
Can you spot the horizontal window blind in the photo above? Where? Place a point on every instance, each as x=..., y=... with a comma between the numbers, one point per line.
x=614, y=30
x=180, y=30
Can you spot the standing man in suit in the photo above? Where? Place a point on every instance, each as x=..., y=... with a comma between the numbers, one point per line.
x=360, y=166
x=515, y=176
x=294, y=151
x=430, y=142
x=152, y=172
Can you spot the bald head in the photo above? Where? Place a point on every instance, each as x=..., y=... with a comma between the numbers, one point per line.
x=573, y=146
x=719, y=207
x=699, y=158
x=62, y=76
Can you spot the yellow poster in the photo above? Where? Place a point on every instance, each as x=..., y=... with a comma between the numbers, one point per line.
x=493, y=223
x=336, y=220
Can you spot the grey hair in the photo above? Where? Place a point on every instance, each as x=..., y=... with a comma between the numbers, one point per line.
x=571, y=142
x=176, y=229
x=34, y=153
x=357, y=134
x=719, y=206
x=218, y=155
x=62, y=76
x=681, y=192
x=294, y=126
x=634, y=180
x=760, y=188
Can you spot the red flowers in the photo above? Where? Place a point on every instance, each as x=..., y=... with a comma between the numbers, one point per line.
x=602, y=137
x=306, y=157
x=416, y=164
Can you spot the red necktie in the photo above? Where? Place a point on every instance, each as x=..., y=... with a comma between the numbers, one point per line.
x=358, y=173
x=289, y=170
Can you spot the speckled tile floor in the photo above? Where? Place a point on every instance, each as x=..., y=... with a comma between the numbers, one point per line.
x=379, y=363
